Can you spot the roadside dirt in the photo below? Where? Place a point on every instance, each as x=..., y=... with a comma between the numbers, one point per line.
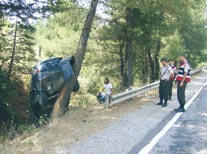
x=76, y=125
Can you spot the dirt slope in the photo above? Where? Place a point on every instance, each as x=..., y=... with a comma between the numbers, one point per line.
x=76, y=125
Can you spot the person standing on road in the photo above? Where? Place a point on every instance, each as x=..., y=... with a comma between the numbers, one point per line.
x=166, y=73
x=108, y=91
x=171, y=63
x=182, y=78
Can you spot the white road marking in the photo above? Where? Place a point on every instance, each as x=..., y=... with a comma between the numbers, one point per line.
x=154, y=141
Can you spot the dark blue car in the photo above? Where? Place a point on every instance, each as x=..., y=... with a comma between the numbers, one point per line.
x=48, y=78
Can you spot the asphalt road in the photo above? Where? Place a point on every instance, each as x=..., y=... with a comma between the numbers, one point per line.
x=189, y=134
x=135, y=130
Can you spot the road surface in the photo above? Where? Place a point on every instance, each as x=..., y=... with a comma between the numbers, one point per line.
x=189, y=134
x=136, y=130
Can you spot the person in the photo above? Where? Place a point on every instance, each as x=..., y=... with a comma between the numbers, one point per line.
x=171, y=64
x=101, y=97
x=183, y=77
x=108, y=91
x=166, y=73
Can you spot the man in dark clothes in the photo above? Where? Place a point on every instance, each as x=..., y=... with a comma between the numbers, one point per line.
x=182, y=78
x=166, y=73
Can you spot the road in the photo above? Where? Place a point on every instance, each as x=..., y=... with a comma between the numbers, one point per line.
x=189, y=134
x=136, y=130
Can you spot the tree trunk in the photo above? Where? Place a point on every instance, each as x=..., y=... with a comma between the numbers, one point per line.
x=145, y=68
x=156, y=59
x=13, y=52
x=129, y=61
x=150, y=59
x=40, y=51
x=62, y=102
x=122, y=66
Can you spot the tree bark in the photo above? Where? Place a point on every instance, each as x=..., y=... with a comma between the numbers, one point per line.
x=129, y=61
x=62, y=102
x=13, y=52
x=145, y=68
x=150, y=59
x=122, y=65
x=154, y=62
x=40, y=51
x=156, y=59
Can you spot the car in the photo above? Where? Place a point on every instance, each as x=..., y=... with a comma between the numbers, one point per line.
x=48, y=78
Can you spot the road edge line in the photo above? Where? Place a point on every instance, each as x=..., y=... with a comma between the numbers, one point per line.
x=146, y=149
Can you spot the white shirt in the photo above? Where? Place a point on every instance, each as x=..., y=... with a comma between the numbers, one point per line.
x=166, y=72
x=108, y=88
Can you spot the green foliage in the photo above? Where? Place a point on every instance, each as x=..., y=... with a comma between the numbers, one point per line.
x=12, y=94
x=11, y=129
x=24, y=56
x=159, y=28
x=83, y=100
x=60, y=34
x=173, y=46
x=154, y=29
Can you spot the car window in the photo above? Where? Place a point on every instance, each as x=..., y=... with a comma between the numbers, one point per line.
x=49, y=64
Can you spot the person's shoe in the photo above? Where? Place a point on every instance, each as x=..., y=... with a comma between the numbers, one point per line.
x=164, y=105
x=177, y=109
x=180, y=110
x=159, y=103
x=170, y=98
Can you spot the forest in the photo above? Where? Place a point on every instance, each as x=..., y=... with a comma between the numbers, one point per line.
x=123, y=40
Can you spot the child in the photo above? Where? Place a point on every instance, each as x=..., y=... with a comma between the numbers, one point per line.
x=101, y=97
x=108, y=91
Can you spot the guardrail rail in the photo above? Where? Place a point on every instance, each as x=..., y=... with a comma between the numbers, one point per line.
x=137, y=91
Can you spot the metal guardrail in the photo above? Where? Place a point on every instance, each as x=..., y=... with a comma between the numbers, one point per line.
x=137, y=91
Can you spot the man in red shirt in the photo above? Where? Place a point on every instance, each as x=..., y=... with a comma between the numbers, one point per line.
x=183, y=77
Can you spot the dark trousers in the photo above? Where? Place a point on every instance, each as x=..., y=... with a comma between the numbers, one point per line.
x=170, y=88
x=164, y=90
x=181, y=93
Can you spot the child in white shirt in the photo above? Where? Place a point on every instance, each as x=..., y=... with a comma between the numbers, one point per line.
x=108, y=91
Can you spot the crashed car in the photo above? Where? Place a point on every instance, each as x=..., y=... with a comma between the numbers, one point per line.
x=48, y=78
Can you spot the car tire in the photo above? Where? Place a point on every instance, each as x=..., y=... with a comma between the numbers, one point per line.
x=76, y=87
